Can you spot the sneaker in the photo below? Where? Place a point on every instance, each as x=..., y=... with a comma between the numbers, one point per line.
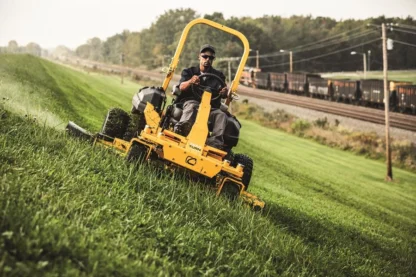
x=183, y=128
x=177, y=129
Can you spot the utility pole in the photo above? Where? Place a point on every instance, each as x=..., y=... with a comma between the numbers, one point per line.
x=283, y=61
x=122, y=69
x=291, y=62
x=369, y=60
x=257, y=60
x=364, y=63
x=389, y=176
x=364, y=66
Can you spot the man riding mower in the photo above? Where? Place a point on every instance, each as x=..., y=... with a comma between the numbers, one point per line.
x=149, y=134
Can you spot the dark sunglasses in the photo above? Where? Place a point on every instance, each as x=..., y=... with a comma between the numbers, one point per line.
x=208, y=57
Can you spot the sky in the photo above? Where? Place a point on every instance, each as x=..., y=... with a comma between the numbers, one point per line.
x=72, y=22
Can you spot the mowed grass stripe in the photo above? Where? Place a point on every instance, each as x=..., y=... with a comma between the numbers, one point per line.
x=325, y=191
x=346, y=172
x=71, y=95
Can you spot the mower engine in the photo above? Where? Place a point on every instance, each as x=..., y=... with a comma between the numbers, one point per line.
x=153, y=95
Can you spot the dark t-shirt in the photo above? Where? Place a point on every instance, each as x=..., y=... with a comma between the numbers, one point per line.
x=187, y=74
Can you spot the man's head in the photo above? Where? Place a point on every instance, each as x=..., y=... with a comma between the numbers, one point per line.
x=206, y=56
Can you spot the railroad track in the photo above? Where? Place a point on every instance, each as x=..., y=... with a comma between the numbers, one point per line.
x=397, y=120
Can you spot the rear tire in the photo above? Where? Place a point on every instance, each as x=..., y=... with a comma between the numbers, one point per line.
x=230, y=190
x=248, y=167
x=115, y=123
x=137, y=153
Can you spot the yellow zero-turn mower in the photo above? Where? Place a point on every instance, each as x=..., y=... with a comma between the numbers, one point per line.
x=147, y=134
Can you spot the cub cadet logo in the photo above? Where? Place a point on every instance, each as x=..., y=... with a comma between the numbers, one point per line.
x=194, y=146
x=190, y=160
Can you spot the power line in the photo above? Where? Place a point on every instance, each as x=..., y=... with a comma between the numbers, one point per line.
x=400, y=30
x=329, y=38
x=405, y=43
x=339, y=41
x=324, y=55
x=403, y=26
x=317, y=46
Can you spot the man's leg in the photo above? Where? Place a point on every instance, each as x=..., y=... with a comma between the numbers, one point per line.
x=219, y=121
x=190, y=110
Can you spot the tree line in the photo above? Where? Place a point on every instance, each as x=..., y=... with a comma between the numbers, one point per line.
x=31, y=48
x=318, y=44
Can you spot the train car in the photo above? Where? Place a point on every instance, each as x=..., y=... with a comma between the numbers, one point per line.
x=319, y=87
x=406, y=95
x=372, y=92
x=297, y=83
x=368, y=92
x=248, y=76
x=394, y=98
x=345, y=90
x=261, y=80
x=278, y=81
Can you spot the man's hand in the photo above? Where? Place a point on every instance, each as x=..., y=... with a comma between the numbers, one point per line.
x=224, y=92
x=194, y=80
x=187, y=84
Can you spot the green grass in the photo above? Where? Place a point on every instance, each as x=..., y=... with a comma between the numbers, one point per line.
x=55, y=94
x=394, y=75
x=68, y=209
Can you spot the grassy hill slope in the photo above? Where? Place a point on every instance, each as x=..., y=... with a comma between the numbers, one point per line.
x=67, y=208
x=56, y=94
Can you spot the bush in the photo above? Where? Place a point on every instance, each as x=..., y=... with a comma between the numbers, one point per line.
x=300, y=126
x=321, y=123
x=405, y=153
x=369, y=139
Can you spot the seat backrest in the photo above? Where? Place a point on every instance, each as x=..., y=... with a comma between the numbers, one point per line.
x=176, y=113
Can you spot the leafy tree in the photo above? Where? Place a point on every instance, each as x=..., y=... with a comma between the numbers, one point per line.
x=13, y=47
x=306, y=36
x=132, y=49
x=95, y=51
x=34, y=49
x=62, y=52
x=83, y=51
x=113, y=47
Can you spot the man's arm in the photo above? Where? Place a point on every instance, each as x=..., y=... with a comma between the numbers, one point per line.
x=187, y=79
x=187, y=84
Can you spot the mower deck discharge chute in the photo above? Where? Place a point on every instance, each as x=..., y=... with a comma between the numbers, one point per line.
x=147, y=133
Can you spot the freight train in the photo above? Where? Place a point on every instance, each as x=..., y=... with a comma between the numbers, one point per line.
x=366, y=92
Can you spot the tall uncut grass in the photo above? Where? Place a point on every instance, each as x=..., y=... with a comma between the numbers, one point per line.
x=70, y=209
